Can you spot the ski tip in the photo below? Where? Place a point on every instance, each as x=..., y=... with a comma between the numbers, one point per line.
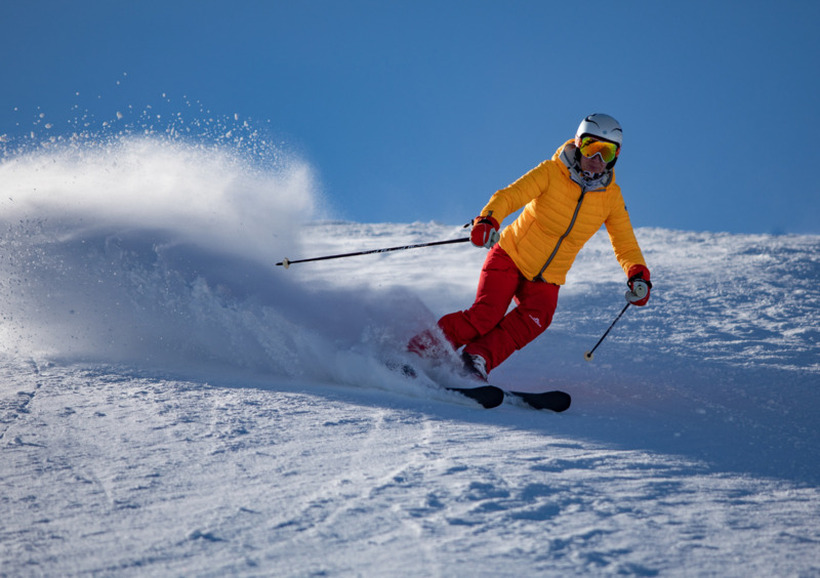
x=494, y=399
x=562, y=402
x=556, y=401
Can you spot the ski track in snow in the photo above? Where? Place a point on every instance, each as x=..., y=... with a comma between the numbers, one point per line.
x=169, y=408
x=112, y=473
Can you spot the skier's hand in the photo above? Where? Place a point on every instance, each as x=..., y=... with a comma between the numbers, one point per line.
x=639, y=285
x=484, y=232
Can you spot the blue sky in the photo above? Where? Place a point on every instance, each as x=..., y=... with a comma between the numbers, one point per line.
x=420, y=110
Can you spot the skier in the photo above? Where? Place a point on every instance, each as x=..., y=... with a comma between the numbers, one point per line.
x=566, y=200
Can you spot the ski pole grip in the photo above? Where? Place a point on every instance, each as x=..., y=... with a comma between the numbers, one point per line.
x=638, y=292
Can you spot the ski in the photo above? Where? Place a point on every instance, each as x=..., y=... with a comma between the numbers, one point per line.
x=556, y=401
x=488, y=396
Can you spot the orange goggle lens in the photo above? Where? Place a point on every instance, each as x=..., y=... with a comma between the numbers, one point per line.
x=591, y=146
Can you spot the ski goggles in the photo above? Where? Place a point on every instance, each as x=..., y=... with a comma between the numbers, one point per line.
x=590, y=146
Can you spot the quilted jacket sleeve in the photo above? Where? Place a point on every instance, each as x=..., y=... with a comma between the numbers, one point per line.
x=622, y=235
x=511, y=198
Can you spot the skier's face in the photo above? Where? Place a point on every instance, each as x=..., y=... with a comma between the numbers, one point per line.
x=593, y=165
x=595, y=153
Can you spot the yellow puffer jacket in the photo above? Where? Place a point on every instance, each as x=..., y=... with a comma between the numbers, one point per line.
x=559, y=217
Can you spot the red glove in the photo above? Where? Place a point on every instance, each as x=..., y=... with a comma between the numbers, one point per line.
x=484, y=232
x=639, y=285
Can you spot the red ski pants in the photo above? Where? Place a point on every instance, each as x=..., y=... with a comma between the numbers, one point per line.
x=486, y=328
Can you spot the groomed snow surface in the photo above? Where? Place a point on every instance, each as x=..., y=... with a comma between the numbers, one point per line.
x=174, y=404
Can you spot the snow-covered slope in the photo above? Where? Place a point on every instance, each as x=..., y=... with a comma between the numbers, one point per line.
x=172, y=403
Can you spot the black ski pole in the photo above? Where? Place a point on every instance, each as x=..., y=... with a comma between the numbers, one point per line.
x=588, y=354
x=287, y=262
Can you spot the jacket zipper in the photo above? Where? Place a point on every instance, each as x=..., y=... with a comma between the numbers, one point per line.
x=540, y=277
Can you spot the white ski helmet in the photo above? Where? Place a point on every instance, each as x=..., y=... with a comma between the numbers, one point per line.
x=601, y=126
